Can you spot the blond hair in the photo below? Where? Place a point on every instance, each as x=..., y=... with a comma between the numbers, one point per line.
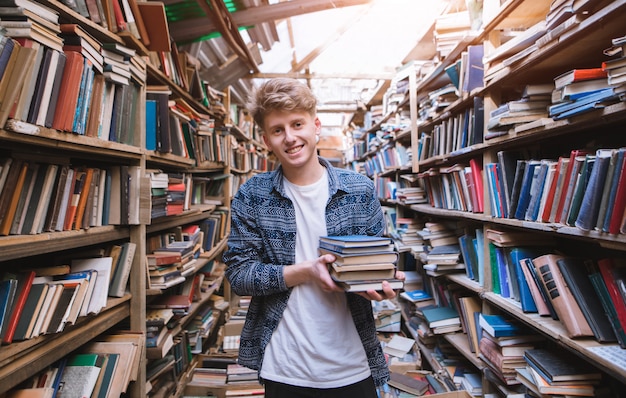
x=282, y=94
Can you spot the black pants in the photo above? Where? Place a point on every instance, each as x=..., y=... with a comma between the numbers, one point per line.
x=362, y=389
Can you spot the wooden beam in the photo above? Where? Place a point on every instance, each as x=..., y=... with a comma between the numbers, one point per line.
x=310, y=57
x=190, y=29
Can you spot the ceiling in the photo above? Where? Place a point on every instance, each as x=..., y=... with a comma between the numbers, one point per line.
x=347, y=50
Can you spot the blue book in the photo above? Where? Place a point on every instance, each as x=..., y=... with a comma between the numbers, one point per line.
x=558, y=110
x=56, y=384
x=7, y=293
x=7, y=48
x=524, y=197
x=468, y=252
x=498, y=325
x=151, y=125
x=416, y=295
x=516, y=254
x=503, y=273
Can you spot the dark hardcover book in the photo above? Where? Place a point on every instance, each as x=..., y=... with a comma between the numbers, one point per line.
x=507, y=162
x=46, y=64
x=470, y=258
x=34, y=200
x=524, y=196
x=590, y=204
x=8, y=287
x=9, y=186
x=34, y=299
x=575, y=271
x=536, y=190
x=560, y=365
x=25, y=197
x=117, y=111
x=475, y=68
x=609, y=309
x=579, y=189
x=408, y=384
x=7, y=49
x=56, y=89
x=55, y=202
x=620, y=167
x=613, y=169
x=478, y=120
x=520, y=166
x=56, y=323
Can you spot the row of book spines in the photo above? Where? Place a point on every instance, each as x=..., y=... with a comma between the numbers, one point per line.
x=583, y=294
x=62, y=90
x=53, y=197
x=102, y=367
x=586, y=190
x=45, y=300
x=587, y=195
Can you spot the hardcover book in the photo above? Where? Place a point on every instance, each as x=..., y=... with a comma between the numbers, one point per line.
x=575, y=272
x=562, y=299
x=560, y=366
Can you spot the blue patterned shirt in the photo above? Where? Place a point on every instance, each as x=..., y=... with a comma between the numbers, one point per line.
x=263, y=240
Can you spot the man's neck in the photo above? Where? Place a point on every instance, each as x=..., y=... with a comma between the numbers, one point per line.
x=305, y=175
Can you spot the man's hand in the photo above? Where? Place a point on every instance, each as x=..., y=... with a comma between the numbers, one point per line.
x=387, y=293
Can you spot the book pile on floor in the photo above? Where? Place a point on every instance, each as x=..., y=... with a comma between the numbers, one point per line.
x=361, y=262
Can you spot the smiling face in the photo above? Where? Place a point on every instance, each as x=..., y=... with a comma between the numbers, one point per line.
x=292, y=137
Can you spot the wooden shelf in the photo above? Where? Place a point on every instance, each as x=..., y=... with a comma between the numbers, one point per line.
x=34, y=355
x=17, y=246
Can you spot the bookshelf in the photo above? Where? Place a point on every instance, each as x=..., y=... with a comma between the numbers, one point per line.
x=576, y=40
x=23, y=359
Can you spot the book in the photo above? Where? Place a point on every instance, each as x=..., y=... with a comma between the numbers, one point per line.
x=565, y=305
x=498, y=325
x=560, y=365
x=576, y=272
x=24, y=284
x=103, y=266
x=365, y=285
x=373, y=257
x=407, y=383
x=340, y=274
x=354, y=241
x=441, y=316
x=119, y=280
x=527, y=288
x=576, y=75
x=80, y=375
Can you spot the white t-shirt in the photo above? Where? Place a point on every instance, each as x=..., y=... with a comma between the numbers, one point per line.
x=316, y=343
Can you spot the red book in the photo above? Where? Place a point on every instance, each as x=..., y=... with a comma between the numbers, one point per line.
x=477, y=174
x=25, y=281
x=545, y=216
x=572, y=159
x=158, y=259
x=610, y=275
x=68, y=93
x=577, y=75
x=72, y=205
x=619, y=205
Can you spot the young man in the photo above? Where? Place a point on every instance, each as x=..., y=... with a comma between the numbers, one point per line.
x=305, y=335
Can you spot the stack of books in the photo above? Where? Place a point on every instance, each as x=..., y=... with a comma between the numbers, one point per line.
x=362, y=262
x=549, y=371
x=502, y=345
